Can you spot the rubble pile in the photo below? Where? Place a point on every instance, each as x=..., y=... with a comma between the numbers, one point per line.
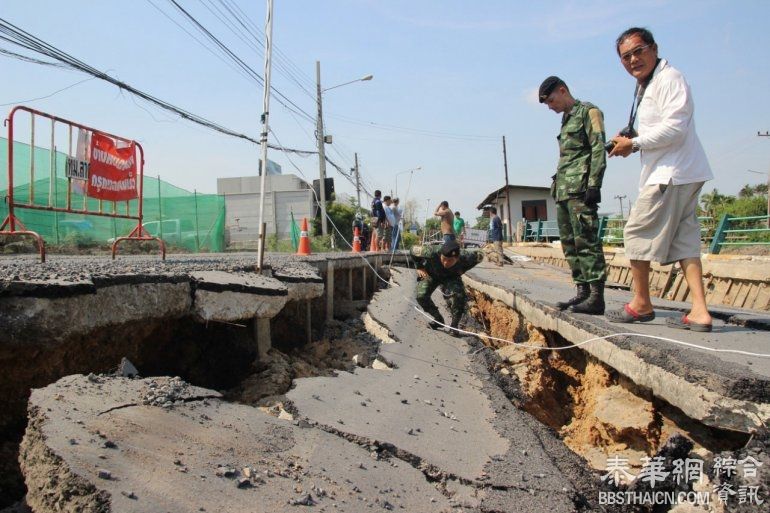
x=344, y=346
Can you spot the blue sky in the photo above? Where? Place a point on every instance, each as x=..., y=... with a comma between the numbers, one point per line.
x=450, y=79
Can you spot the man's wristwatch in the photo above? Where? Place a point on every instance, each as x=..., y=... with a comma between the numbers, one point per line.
x=635, y=145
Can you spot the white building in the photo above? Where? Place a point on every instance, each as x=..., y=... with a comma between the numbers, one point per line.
x=285, y=194
x=526, y=203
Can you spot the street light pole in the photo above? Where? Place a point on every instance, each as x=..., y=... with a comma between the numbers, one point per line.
x=358, y=183
x=620, y=199
x=766, y=134
x=321, y=149
x=402, y=172
x=321, y=140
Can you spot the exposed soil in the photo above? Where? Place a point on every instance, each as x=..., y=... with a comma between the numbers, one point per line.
x=596, y=411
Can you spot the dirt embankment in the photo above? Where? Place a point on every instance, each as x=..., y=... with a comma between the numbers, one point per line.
x=598, y=412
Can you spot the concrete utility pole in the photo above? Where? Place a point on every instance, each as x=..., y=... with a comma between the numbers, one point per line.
x=507, y=194
x=358, y=182
x=621, y=198
x=767, y=134
x=321, y=150
x=322, y=139
x=263, y=135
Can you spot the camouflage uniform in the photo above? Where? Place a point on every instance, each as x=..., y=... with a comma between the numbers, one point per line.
x=582, y=162
x=428, y=258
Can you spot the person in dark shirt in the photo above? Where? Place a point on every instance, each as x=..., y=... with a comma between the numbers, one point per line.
x=379, y=220
x=443, y=266
x=496, y=234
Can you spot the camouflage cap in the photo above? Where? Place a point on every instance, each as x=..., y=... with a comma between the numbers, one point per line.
x=547, y=87
x=450, y=249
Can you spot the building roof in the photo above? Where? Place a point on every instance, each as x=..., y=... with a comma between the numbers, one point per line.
x=502, y=190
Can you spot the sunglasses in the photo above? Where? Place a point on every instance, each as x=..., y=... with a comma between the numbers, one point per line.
x=636, y=52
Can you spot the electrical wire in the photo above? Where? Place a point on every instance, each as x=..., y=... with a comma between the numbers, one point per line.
x=47, y=96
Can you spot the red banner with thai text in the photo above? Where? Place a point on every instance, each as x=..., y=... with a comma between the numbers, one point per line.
x=112, y=169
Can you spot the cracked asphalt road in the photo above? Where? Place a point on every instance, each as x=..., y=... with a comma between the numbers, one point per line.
x=435, y=433
x=440, y=407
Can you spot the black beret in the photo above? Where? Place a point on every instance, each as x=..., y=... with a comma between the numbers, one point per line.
x=547, y=87
x=450, y=249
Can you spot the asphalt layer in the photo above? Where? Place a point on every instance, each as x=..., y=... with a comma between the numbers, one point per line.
x=63, y=276
x=440, y=409
x=732, y=375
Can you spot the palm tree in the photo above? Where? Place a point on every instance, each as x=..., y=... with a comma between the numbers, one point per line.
x=710, y=201
x=760, y=189
x=747, y=191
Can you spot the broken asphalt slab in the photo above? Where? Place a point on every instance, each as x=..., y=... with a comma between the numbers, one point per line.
x=111, y=444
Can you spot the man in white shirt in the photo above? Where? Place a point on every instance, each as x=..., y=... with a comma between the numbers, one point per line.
x=387, y=205
x=663, y=224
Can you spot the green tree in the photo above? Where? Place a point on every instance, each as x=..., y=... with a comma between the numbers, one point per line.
x=482, y=223
x=746, y=192
x=432, y=224
x=342, y=216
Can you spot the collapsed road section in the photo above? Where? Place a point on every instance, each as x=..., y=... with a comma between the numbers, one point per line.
x=426, y=430
x=206, y=319
x=417, y=421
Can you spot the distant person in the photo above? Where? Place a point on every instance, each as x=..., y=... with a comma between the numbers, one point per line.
x=577, y=191
x=459, y=228
x=379, y=220
x=387, y=236
x=399, y=226
x=663, y=223
x=443, y=266
x=447, y=221
x=496, y=235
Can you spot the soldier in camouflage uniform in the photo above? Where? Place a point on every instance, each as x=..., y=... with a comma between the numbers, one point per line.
x=576, y=189
x=443, y=266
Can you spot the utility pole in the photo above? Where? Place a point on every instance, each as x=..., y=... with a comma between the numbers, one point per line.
x=507, y=195
x=620, y=199
x=767, y=134
x=358, y=182
x=265, y=130
x=321, y=149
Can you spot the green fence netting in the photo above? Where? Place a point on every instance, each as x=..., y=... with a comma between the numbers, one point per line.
x=183, y=219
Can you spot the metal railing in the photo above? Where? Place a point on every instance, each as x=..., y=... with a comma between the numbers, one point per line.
x=611, y=230
x=741, y=231
x=538, y=231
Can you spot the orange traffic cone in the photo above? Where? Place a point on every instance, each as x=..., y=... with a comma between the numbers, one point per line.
x=304, y=240
x=373, y=245
x=356, y=241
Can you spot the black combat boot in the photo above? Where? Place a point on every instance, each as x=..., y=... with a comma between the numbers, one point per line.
x=594, y=305
x=454, y=324
x=436, y=324
x=583, y=291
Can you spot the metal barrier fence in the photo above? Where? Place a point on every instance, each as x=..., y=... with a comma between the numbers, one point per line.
x=741, y=231
x=103, y=174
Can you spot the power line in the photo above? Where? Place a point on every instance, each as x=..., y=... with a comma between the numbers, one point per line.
x=256, y=76
x=47, y=96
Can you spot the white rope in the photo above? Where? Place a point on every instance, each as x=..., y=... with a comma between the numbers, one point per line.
x=584, y=342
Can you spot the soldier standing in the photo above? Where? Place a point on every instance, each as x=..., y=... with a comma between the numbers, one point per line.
x=443, y=266
x=576, y=189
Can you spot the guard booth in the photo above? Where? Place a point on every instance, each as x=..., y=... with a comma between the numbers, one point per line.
x=60, y=167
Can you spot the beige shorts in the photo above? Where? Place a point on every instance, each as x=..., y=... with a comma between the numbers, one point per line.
x=663, y=224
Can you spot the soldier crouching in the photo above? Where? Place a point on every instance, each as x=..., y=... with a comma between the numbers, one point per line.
x=443, y=266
